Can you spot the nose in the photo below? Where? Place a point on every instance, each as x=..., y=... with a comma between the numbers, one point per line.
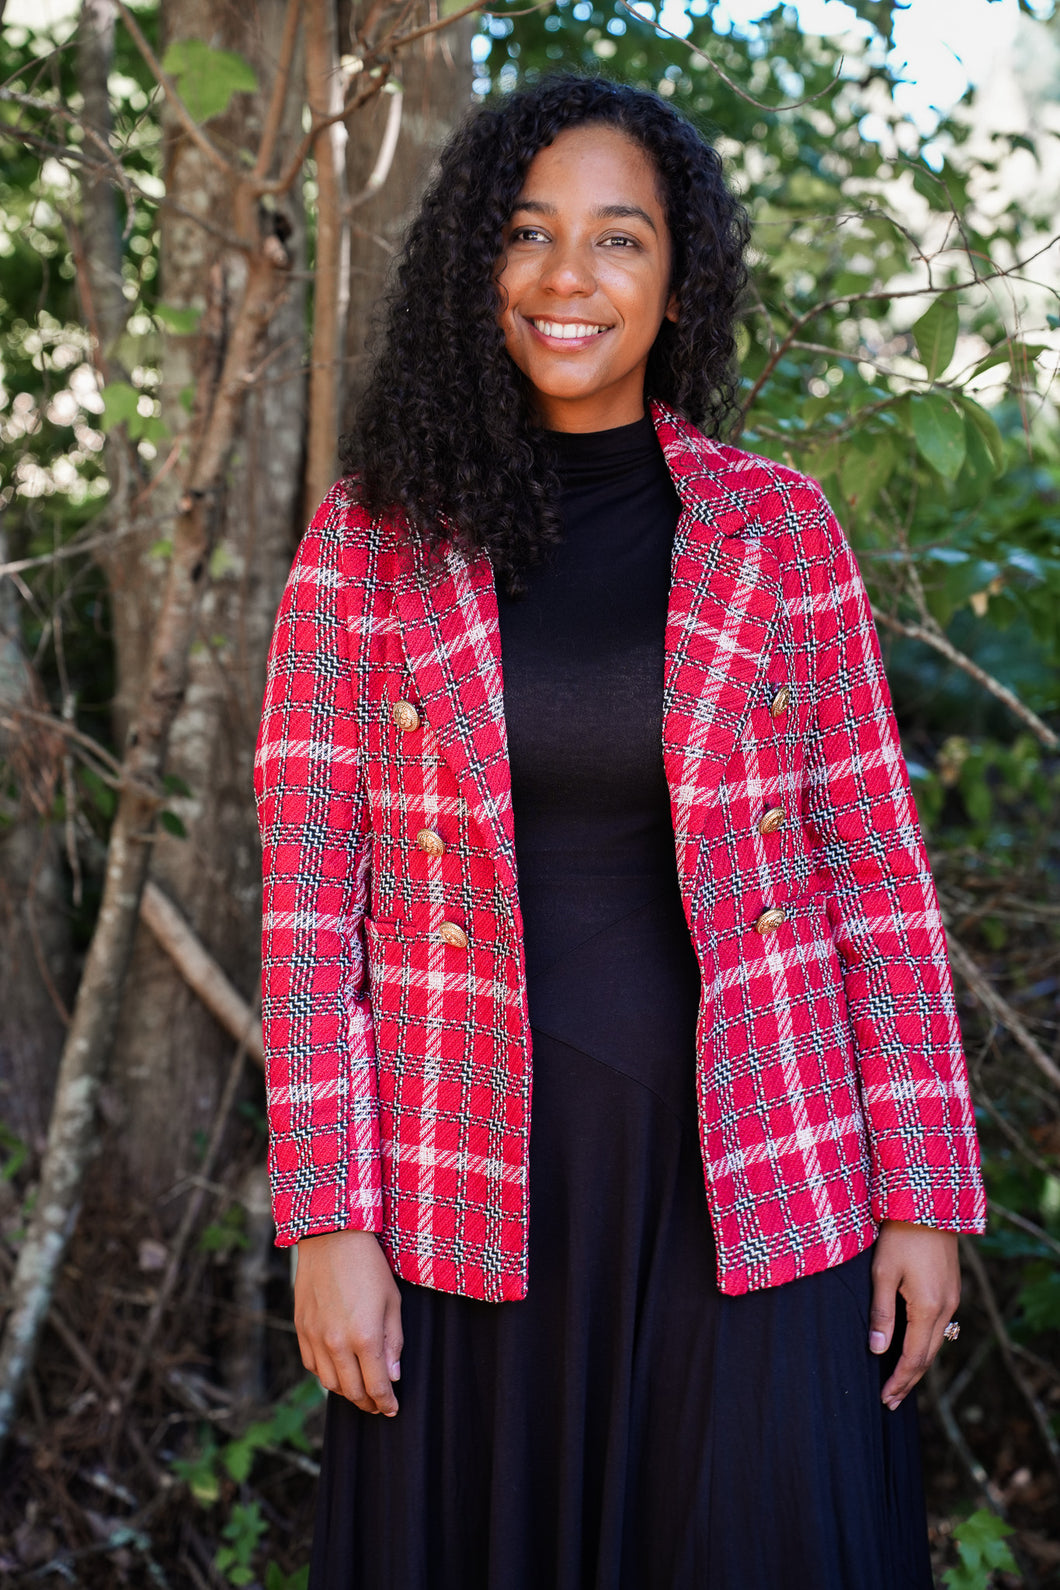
x=568, y=271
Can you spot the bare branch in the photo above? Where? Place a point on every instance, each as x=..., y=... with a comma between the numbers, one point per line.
x=1024, y=1224
x=200, y=971
x=322, y=82
x=708, y=60
x=169, y=88
x=970, y=1256
x=274, y=114
x=385, y=158
x=939, y=642
x=999, y=1008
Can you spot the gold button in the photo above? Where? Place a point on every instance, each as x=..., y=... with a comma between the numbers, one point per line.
x=769, y=921
x=780, y=702
x=449, y=933
x=431, y=842
x=405, y=716
x=771, y=820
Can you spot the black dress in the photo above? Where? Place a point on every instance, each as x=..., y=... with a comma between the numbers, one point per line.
x=625, y=1427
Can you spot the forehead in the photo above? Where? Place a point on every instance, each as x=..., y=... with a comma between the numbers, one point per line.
x=599, y=161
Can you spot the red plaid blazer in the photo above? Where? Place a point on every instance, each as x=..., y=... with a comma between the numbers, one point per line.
x=831, y=1081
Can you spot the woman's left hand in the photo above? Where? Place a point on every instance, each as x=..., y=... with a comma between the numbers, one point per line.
x=920, y=1263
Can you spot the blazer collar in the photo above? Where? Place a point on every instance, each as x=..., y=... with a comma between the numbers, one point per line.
x=720, y=624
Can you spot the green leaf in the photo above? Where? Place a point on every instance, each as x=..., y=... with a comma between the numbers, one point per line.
x=1040, y=1302
x=986, y=425
x=982, y=1549
x=207, y=78
x=935, y=334
x=866, y=466
x=939, y=432
x=173, y=825
x=119, y=405
x=181, y=321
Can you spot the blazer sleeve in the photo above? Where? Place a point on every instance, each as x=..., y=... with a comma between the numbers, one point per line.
x=324, y=1161
x=885, y=917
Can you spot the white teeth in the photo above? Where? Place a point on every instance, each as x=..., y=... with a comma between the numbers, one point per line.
x=567, y=330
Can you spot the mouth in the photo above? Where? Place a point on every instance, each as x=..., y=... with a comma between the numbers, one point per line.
x=573, y=331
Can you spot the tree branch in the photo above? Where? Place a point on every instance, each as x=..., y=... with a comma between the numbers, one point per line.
x=939, y=642
x=999, y=1008
x=970, y=1255
x=270, y=130
x=169, y=88
x=200, y=971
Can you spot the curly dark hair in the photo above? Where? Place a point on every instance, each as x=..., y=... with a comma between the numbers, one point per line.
x=445, y=431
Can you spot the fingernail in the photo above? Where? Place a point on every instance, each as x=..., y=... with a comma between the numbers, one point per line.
x=394, y=1371
x=894, y=1403
x=877, y=1342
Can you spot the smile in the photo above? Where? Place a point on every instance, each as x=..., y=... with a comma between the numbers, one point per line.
x=567, y=330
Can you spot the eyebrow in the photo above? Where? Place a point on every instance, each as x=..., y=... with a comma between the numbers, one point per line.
x=603, y=212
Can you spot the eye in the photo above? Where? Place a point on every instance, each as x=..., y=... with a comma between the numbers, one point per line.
x=527, y=234
x=620, y=240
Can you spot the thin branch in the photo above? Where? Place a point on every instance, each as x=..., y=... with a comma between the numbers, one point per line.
x=708, y=60
x=187, y=1226
x=939, y=642
x=169, y=88
x=970, y=1256
x=955, y=1435
x=200, y=971
x=403, y=39
x=999, y=1008
x=387, y=149
x=1024, y=1224
x=74, y=549
x=270, y=130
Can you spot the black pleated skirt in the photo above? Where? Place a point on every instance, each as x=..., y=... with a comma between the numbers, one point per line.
x=626, y=1427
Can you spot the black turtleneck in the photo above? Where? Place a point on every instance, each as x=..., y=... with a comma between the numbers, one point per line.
x=610, y=964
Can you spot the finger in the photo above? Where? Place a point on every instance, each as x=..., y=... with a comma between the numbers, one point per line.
x=342, y=1373
x=393, y=1340
x=377, y=1384
x=881, y=1311
x=923, y=1336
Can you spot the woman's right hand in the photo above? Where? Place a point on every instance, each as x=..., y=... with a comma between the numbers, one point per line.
x=347, y=1312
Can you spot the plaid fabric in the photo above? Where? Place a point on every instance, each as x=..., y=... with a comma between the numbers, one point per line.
x=832, y=1086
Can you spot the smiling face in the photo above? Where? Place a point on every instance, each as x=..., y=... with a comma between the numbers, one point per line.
x=585, y=278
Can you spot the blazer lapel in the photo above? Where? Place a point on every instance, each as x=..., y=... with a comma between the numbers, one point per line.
x=723, y=611
x=450, y=630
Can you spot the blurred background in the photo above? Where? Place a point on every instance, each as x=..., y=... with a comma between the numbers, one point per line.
x=199, y=201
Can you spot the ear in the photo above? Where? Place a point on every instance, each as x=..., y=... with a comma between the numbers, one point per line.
x=672, y=311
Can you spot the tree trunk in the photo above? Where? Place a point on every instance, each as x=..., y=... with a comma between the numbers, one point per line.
x=171, y=1054
x=435, y=76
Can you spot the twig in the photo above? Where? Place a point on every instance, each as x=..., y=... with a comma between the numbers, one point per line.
x=939, y=642
x=270, y=129
x=955, y=1435
x=200, y=971
x=971, y=1258
x=749, y=99
x=1000, y=1009
x=169, y=88
x=1024, y=1224
x=187, y=1226
x=387, y=149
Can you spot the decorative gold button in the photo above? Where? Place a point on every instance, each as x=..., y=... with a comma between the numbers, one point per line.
x=771, y=820
x=769, y=921
x=431, y=842
x=449, y=933
x=405, y=716
x=780, y=702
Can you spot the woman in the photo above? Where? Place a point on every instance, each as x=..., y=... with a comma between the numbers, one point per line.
x=675, y=857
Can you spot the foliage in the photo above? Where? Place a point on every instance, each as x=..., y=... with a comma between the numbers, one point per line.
x=982, y=1549
x=210, y=1472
